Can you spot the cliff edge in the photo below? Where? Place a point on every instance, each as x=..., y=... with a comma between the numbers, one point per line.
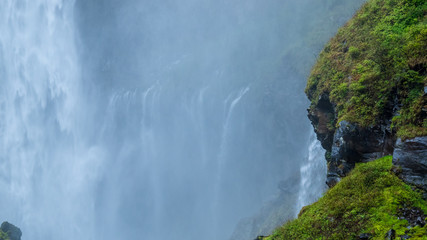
x=368, y=90
x=369, y=110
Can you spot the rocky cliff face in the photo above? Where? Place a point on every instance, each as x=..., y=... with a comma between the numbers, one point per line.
x=368, y=91
x=410, y=157
x=349, y=143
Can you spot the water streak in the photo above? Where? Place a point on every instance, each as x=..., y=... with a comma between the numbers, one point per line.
x=313, y=174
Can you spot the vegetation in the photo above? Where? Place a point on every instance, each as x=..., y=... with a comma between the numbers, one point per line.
x=377, y=57
x=3, y=236
x=369, y=200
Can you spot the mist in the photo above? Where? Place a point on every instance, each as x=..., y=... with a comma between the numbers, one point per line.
x=145, y=119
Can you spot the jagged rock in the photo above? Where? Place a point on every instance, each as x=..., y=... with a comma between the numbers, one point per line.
x=414, y=216
x=322, y=117
x=411, y=157
x=352, y=144
x=390, y=235
x=349, y=143
x=12, y=231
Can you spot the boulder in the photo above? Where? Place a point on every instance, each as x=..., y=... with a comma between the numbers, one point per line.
x=12, y=231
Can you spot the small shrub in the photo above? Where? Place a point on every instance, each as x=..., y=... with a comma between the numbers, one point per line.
x=354, y=52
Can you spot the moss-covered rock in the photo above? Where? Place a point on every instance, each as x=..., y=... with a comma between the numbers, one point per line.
x=3, y=236
x=374, y=69
x=9, y=231
x=366, y=204
x=368, y=87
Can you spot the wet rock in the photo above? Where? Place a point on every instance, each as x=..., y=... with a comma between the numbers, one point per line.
x=332, y=178
x=405, y=237
x=411, y=157
x=353, y=144
x=322, y=117
x=12, y=231
x=390, y=235
x=415, y=216
x=349, y=143
x=365, y=236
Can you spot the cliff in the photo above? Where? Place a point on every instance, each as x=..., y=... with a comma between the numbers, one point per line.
x=367, y=89
x=369, y=101
x=370, y=203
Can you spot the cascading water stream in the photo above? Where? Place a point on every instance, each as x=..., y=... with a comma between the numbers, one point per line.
x=313, y=174
x=45, y=156
x=141, y=119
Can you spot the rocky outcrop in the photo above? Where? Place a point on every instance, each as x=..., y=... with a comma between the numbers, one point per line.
x=352, y=144
x=322, y=117
x=348, y=143
x=11, y=230
x=410, y=157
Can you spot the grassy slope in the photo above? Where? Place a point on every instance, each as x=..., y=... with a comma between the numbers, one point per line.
x=366, y=201
x=379, y=54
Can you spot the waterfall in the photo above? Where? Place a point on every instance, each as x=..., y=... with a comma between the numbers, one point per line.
x=46, y=162
x=146, y=119
x=313, y=174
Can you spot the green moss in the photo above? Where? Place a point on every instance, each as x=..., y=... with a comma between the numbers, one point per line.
x=380, y=54
x=3, y=236
x=366, y=201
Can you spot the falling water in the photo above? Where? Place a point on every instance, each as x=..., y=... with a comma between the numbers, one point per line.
x=146, y=119
x=313, y=174
x=44, y=157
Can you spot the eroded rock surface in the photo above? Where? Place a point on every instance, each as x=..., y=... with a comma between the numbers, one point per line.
x=411, y=157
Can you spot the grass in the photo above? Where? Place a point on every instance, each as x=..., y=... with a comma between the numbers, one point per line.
x=377, y=56
x=368, y=200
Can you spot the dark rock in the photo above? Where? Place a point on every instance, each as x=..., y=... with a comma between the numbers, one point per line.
x=332, y=178
x=365, y=236
x=352, y=144
x=390, y=235
x=322, y=117
x=12, y=231
x=349, y=143
x=405, y=237
x=415, y=216
x=411, y=157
